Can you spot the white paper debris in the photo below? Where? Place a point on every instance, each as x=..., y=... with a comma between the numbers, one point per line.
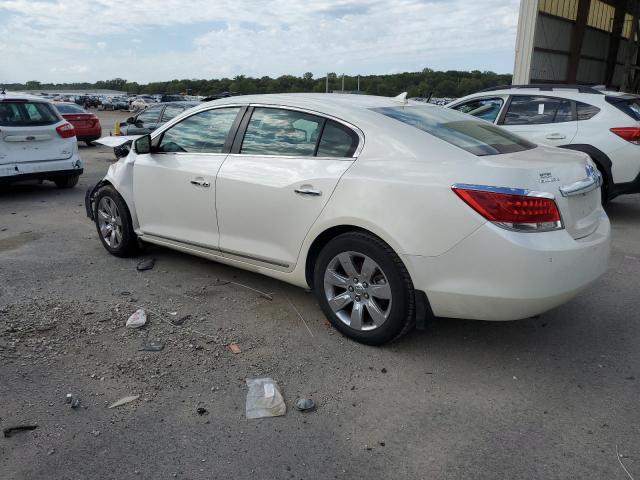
x=138, y=319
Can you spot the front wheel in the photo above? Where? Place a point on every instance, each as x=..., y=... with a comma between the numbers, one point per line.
x=113, y=223
x=364, y=289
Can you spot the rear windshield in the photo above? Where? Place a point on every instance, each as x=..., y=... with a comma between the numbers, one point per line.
x=629, y=104
x=69, y=108
x=474, y=136
x=26, y=114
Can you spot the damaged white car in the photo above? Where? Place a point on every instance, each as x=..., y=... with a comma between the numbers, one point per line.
x=392, y=211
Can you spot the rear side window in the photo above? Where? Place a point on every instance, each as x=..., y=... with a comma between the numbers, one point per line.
x=586, y=111
x=203, y=132
x=68, y=108
x=273, y=131
x=337, y=141
x=535, y=110
x=474, y=136
x=484, y=108
x=26, y=114
x=628, y=104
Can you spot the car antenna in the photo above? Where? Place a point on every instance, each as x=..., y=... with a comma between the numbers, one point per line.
x=429, y=97
x=401, y=98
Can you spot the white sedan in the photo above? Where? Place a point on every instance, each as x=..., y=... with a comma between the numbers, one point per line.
x=392, y=211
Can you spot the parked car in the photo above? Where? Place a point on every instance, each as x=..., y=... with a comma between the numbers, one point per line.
x=88, y=101
x=172, y=98
x=140, y=103
x=152, y=117
x=87, y=125
x=36, y=142
x=604, y=125
x=115, y=103
x=390, y=210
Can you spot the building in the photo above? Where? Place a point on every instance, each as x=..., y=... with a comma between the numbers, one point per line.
x=592, y=42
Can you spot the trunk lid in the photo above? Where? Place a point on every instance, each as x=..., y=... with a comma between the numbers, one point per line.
x=567, y=175
x=28, y=133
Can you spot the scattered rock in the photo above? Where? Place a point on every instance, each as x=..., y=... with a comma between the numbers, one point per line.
x=181, y=320
x=147, y=264
x=305, y=405
x=138, y=319
x=124, y=401
x=8, y=432
x=235, y=348
x=202, y=411
x=152, y=346
x=384, y=370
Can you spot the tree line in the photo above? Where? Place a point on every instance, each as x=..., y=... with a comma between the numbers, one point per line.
x=452, y=83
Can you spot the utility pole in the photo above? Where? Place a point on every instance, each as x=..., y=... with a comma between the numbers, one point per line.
x=327, y=84
x=343, y=83
x=358, y=82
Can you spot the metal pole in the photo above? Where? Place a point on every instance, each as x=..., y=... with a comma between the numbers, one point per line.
x=327, y=84
x=358, y=82
x=343, y=82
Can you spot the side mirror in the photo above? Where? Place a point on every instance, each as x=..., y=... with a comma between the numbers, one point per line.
x=142, y=145
x=131, y=120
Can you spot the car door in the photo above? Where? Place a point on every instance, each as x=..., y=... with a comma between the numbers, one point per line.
x=146, y=121
x=542, y=120
x=283, y=168
x=486, y=108
x=174, y=185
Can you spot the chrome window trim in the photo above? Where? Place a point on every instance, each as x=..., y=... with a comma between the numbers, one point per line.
x=292, y=157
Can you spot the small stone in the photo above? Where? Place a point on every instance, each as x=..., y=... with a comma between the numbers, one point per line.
x=384, y=370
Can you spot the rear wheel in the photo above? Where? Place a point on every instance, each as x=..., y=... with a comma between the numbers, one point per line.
x=89, y=143
x=113, y=222
x=364, y=289
x=68, y=181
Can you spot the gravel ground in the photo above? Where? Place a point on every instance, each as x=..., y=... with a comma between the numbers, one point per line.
x=545, y=398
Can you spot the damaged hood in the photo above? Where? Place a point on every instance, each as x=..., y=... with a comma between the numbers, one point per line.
x=117, y=140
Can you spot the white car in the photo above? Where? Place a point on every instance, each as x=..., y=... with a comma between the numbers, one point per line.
x=604, y=125
x=36, y=142
x=390, y=210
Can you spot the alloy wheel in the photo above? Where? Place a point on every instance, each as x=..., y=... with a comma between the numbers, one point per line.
x=110, y=222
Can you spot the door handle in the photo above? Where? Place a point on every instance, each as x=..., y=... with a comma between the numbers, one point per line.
x=308, y=191
x=200, y=183
x=555, y=136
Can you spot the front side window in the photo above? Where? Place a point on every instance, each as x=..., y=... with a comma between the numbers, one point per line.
x=274, y=131
x=474, y=136
x=150, y=115
x=25, y=114
x=535, y=110
x=484, y=108
x=203, y=132
x=171, y=111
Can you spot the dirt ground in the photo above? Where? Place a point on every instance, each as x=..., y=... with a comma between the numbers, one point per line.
x=546, y=398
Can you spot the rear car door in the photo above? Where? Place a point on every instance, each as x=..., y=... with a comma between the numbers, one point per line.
x=543, y=120
x=29, y=141
x=283, y=168
x=174, y=185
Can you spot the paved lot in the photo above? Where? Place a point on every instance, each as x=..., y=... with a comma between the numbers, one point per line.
x=545, y=398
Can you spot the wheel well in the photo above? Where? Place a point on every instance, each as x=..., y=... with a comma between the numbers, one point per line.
x=321, y=240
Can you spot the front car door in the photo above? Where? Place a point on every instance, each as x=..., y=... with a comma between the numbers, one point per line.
x=174, y=185
x=283, y=168
x=542, y=120
x=146, y=121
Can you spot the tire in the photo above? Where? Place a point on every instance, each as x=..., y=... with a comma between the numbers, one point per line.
x=111, y=215
x=604, y=189
x=68, y=181
x=383, y=292
x=89, y=143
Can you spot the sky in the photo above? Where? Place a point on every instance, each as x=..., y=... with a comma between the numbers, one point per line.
x=150, y=40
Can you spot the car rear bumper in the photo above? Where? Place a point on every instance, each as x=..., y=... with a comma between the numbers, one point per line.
x=495, y=274
x=13, y=172
x=41, y=175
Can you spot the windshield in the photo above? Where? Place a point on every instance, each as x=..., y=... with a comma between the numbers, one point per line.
x=474, y=136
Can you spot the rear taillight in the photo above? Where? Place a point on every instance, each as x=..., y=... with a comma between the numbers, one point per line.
x=66, y=130
x=630, y=134
x=521, y=210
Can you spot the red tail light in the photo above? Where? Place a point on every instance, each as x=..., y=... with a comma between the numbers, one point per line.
x=630, y=134
x=514, y=211
x=66, y=130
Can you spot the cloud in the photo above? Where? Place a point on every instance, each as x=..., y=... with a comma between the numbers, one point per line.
x=271, y=37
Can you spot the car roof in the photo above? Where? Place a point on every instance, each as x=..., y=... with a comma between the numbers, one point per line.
x=22, y=96
x=569, y=92
x=339, y=105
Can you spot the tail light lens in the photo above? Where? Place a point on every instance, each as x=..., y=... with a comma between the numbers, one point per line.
x=66, y=130
x=524, y=212
x=630, y=134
